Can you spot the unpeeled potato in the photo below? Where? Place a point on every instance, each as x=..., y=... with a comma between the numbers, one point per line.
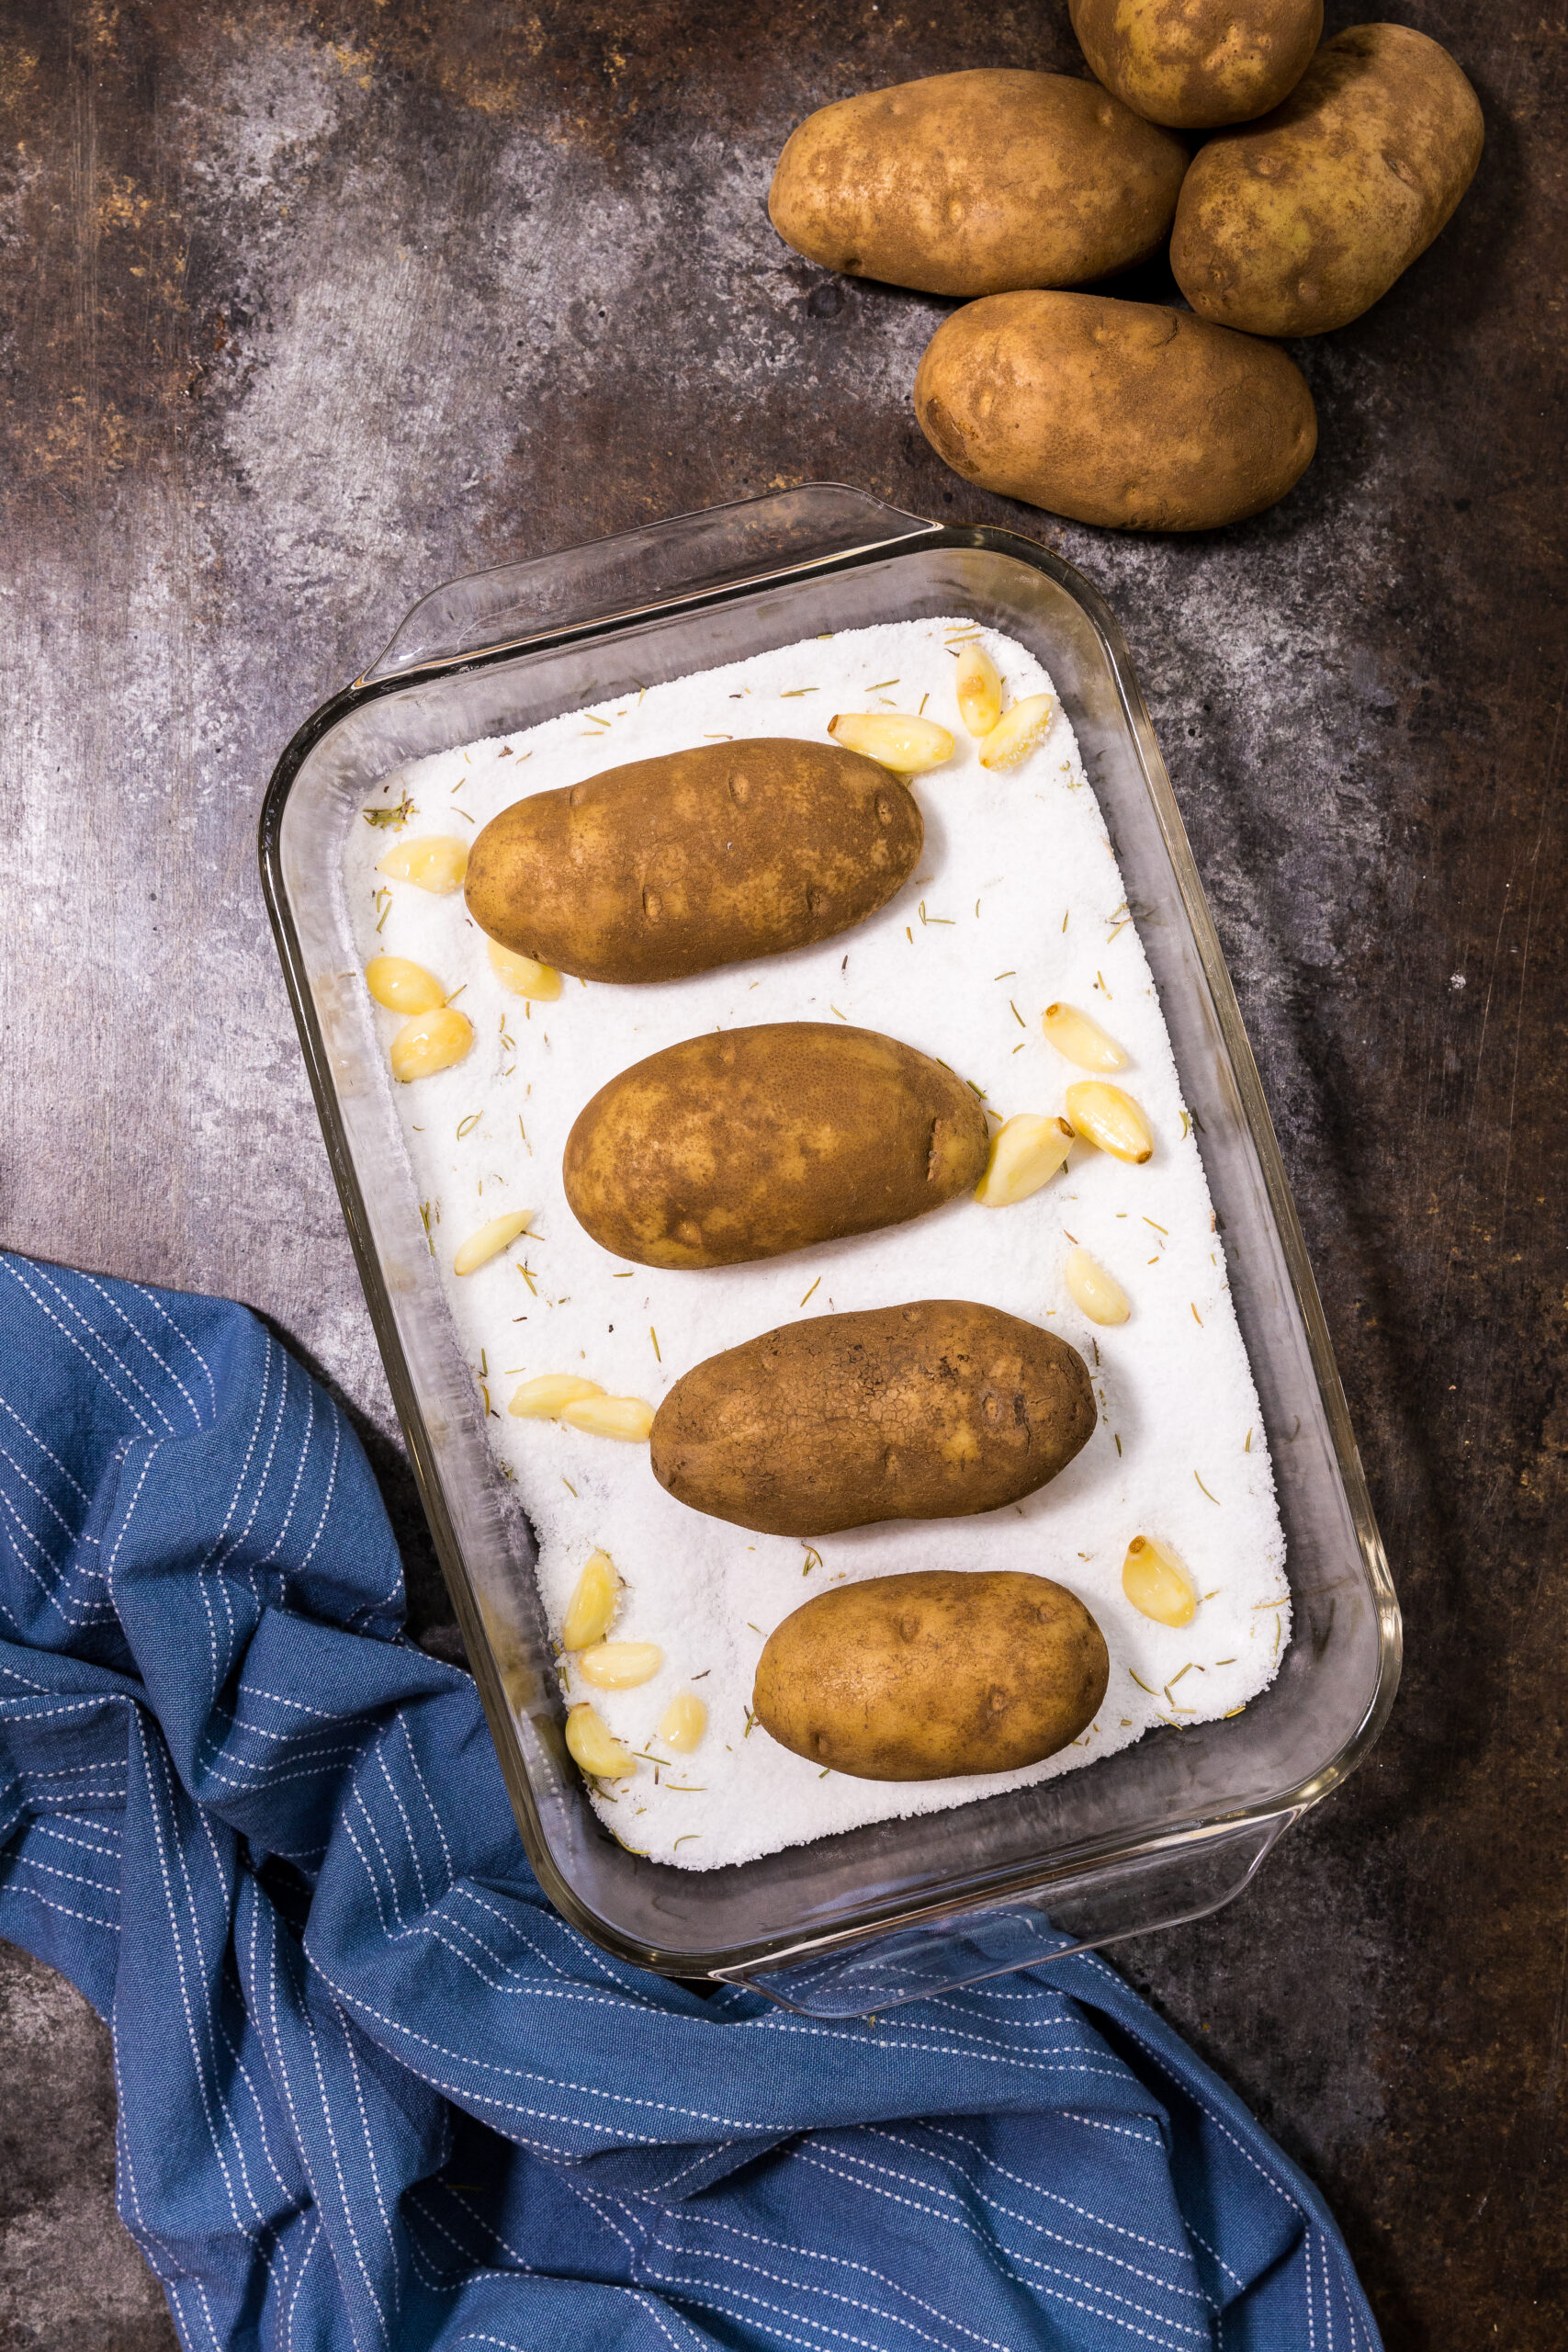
x=924, y=1677
x=1299, y=222
x=933, y=1410
x=1124, y=413
x=745, y=1143
x=972, y=183
x=672, y=866
x=1196, y=64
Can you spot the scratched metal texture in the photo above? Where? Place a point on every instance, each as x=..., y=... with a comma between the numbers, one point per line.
x=308, y=304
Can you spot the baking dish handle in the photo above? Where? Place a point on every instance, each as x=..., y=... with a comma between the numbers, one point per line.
x=754, y=539
x=1182, y=1881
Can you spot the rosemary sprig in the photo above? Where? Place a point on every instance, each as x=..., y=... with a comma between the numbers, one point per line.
x=396, y=816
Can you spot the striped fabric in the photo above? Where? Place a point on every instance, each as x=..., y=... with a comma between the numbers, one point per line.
x=374, y=2092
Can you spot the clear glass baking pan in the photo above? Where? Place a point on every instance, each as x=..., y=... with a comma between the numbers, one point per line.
x=1160, y=1832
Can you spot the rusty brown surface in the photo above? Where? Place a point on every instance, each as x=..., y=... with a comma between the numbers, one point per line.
x=308, y=304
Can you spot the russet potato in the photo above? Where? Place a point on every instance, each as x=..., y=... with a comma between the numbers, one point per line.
x=1195, y=64
x=672, y=866
x=747, y=1143
x=972, y=183
x=933, y=1411
x=1298, y=224
x=925, y=1676
x=1130, y=415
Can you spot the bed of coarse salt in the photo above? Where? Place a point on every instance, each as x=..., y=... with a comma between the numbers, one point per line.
x=1017, y=902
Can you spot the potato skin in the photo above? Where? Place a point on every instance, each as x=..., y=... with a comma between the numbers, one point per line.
x=672, y=866
x=752, y=1142
x=924, y=1677
x=972, y=183
x=1298, y=224
x=1128, y=414
x=1196, y=64
x=933, y=1411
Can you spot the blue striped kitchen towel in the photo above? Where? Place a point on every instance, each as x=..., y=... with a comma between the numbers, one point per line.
x=374, y=2092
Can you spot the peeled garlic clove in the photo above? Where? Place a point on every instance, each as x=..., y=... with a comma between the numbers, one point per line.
x=979, y=690
x=431, y=1041
x=1018, y=731
x=619, y=1665
x=489, y=1241
x=682, y=1723
x=593, y=1604
x=542, y=1398
x=602, y=1416
x=435, y=861
x=521, y=975
x=593, y=1747
x=402, y=987
x=1099, y=1294
x=1026, y=1152
x=1105, y=1116
x=908, y=746
x=1081, y=1039
x=1157, y=1584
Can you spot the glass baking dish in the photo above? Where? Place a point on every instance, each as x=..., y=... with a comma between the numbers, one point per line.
x=1162, y=1831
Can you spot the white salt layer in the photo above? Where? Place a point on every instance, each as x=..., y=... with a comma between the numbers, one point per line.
x=1017, y=902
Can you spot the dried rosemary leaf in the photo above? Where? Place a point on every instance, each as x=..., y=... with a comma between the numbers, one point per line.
x=396, y=816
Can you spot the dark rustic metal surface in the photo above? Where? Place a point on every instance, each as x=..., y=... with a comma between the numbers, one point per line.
x=308, y=304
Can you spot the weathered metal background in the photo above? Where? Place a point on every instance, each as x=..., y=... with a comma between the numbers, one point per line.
x=308, y=304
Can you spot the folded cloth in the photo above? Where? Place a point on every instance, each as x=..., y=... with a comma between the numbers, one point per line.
x=374, y=2092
